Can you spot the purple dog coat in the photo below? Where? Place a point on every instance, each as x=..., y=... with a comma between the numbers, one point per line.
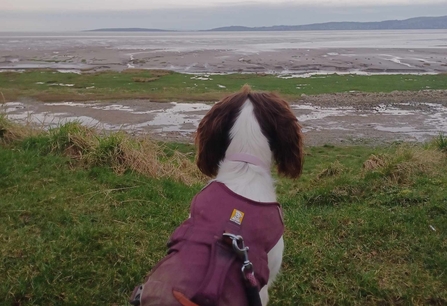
x=200, y=265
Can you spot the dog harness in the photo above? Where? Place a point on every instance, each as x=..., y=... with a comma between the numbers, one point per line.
x=203, y=267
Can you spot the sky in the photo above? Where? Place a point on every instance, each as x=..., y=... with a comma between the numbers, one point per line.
x=76, y=15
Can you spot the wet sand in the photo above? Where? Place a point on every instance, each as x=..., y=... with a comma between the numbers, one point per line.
x=363, y=52
x=348, y=118
x=281, y=61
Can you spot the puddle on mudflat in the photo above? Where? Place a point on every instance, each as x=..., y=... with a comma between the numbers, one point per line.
x=157, y=117
x=405, y=121
x=324, y=74
x=49, y=120
x=182, y=117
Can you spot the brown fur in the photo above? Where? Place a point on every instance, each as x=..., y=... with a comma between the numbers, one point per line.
x=278, y=124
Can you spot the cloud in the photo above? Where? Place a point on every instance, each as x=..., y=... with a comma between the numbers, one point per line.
x=201, y=18
x=100, y=5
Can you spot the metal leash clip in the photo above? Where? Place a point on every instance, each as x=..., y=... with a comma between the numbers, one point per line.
x=242, y=251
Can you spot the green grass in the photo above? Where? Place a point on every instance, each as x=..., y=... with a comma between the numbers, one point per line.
x=164, y=85
x=86, y=147
x=79, y=236
x=364, y=226
x=441, y=142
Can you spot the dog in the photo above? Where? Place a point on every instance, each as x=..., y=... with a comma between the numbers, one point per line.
x=235, y=222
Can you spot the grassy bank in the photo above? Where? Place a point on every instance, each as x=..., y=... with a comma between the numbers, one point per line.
x=363, y=225
x=46, y=85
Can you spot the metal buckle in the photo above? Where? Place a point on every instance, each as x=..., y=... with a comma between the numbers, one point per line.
x=242, y=251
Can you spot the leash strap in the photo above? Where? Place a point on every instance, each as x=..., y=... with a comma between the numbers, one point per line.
x=253, y=297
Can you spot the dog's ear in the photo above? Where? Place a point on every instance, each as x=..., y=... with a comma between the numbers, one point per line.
x=281, y=127
x=213, y=134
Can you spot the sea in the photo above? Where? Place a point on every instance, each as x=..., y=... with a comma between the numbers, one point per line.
x=247, y=41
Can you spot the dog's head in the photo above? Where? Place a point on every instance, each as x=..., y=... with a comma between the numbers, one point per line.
x=276, y=120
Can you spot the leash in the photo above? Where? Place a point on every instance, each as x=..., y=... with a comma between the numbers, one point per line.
x=248, y=274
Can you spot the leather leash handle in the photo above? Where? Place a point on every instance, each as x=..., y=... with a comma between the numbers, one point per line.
x=183, y=300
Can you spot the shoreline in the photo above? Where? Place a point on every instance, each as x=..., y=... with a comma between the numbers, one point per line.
x=281, y=75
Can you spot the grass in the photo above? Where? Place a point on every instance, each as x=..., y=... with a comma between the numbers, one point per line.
x=364, y=226
x=86, y=147
x=160, y=85
x=441, y=142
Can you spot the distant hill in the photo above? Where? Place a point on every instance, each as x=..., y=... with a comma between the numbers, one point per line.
x=419, y=23
x=127, y=30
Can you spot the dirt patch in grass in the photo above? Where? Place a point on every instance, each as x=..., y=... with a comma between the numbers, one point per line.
x=367, y=100
x=145, y=80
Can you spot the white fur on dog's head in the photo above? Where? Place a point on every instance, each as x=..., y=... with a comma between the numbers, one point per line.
x=233, y=124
